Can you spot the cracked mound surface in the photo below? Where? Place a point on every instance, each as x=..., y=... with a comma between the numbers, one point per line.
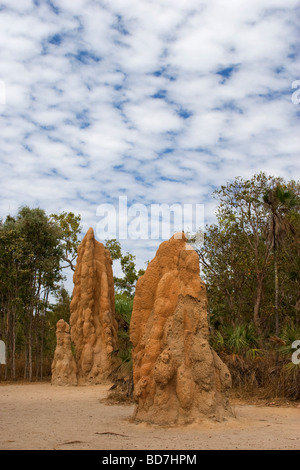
x=64, y=369
x=178, y=378
x=93, y=324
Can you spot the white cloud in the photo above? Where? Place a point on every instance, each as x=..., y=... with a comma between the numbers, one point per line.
x=158, y=100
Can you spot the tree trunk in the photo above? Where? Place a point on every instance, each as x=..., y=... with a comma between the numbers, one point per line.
x=257, y=302
x=13, y=346
x=25, y=361
x=43, y=318
x=30, y=347
x=10, y=344
x=276, y=292
x=7, y=356
x=42, y=345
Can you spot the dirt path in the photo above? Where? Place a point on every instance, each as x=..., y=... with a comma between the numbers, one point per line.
x=39, y=416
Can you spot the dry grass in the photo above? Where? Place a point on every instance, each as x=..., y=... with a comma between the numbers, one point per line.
x=265, y=377
x=118, y=397
x=20, y=370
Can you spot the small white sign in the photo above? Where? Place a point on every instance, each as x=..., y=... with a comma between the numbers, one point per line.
x=2, y=352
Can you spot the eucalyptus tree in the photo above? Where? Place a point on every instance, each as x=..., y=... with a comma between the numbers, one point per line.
x=30, y=254
x=12, y=283
x=70, y=227
x=125, y=284
x=238, y=251
x=42, y=253
x=241, y=205
x=227, y=267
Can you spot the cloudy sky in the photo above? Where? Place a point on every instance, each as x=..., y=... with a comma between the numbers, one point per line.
x=160, y=101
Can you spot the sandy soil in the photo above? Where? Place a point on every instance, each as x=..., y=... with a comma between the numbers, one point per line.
x=40, y=416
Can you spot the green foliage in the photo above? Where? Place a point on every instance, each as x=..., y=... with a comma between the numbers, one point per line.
x=130, y=275
x=242, y=340
x=114, y=247
x=69, y=225
x=126, y=283
x=31, y=251
x=250, y=261
x=289, y=334
x=123, y=307
x=239, y=262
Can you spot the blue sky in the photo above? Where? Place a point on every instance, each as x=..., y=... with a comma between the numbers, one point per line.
x=160, y=100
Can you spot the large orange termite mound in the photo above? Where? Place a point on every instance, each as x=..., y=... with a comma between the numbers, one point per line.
x=93, y=324
x=178, y=378
x=64, y=369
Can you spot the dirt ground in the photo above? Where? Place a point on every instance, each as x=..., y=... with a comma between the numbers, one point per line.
x=40, y=416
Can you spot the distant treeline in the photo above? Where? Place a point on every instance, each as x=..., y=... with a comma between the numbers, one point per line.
x=250, y=261
x=34, y=250
x=250, y=258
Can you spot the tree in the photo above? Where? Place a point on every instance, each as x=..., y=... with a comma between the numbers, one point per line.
x=42, y=254
x=227, y=267
x=280, y=201
x=30, y=255
x=237, y=254
x=69, y=224
x=130, y=274
x=114, y=247
x=12, y=280
x=241, y=205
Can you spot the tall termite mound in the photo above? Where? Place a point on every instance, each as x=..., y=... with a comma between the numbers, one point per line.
x=64, y=369
x=93, y=324
x=178, y=378
x=92, y=320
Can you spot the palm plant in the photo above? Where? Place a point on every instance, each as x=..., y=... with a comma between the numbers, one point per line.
x=289, y=334
x=241, y=340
